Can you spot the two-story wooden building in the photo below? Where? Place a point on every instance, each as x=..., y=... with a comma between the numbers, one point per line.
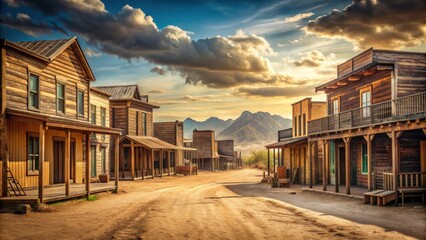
x=45, y=127
x=207, y=149
x=141, y=154
x=375, y=128
x=292, y=149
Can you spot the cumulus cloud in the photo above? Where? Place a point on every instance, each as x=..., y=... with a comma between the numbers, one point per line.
x=298, y=17
x=191, y=99
x=270, y=91
x=92, y=53
x=159, y=70
x=24, y=23
x=310, y=59
x=217, y=62
x=375, y=23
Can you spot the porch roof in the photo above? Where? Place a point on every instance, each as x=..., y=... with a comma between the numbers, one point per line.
x=187, y=149
x=285, y=142
x=150, y=142
x=63, y=122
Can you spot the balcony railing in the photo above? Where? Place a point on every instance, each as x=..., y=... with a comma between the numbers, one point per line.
x=286, y=133
x=405, y=108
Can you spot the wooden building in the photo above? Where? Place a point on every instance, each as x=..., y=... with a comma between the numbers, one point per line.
x=45, y=124
x=227, y=156
x=375, y=129
x=172, y=132
x=141, y=154
x=207, y=149
x=292, y=149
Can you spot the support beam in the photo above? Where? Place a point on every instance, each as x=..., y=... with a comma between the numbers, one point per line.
x=324, y=160
x=395, y=161
x=347, y=142
x=67, y=161
x=121, y=160
x=310, y=164
x=132, y=159
x=42, y=139
x=87, y=177
x=274, y=162
x=152, y=163
x=144, y=157
x=161, y=162
x=116, y=161
x=369, y=139
x=336, y=169
x=269, y=162
x=168, y=162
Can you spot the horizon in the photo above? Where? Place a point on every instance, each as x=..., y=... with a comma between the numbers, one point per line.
x=227, y=57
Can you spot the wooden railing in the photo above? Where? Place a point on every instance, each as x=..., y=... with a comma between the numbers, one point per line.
x=356, y=62
x=411, y=179
x=404, y=180
x=404, y=108
x=286, y=133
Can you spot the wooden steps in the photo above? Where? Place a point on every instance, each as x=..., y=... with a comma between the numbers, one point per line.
x=379, y=197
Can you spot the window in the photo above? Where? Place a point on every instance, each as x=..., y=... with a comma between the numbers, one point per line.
x=93, y=116
x=103, y=160
x=137, y=123
x=60, y=98
x=33, y=97
x=335, y=106
x=366, y=102
x=93, y=160
x=80, y=103
x=300, y=125
x=295, y=126
x=304, y=124
x=364, y=166
x=103, y=120
x=144, y=123
x=33, y=153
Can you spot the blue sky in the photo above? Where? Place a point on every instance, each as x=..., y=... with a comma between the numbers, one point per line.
x=218, y=58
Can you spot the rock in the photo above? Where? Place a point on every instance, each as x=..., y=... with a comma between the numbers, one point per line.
x=294, y=193
x=23, y=209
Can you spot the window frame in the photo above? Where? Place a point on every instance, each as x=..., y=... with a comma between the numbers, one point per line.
x=32, y=172
x=64, y=98
x=295, y=126
x=144, y=117
x=337, y=100
x=29, y=92
x=137, y=122
x=103, y=160
x=103, y=120
x=93, y=120
x=366, y=110
x=79, y=102
x=93, y=169
x=304, y=123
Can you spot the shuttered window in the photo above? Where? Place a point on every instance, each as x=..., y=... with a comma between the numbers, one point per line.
x=60, y=98
x=33, y=153
x=364, y=166
x=34, y=86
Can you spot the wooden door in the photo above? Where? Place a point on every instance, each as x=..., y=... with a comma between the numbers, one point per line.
x=332, y=157
x=58, y=161
x=342, y=165
x=354, y=177
x=72, y=162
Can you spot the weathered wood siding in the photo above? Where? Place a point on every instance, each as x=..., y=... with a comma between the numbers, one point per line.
x=349, y=95
x=18, y=130
x=103, y=140
x=410, y=70
x=225, y=147
x=65, y=69
x=382, y=157
x=204, y=142
x=166, y=131
x=132, y=111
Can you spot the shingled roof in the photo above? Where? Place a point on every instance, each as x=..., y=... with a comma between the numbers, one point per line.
x=121, y=92
x=47, y=50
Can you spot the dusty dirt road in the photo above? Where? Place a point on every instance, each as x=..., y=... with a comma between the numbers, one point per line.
x=196, y=207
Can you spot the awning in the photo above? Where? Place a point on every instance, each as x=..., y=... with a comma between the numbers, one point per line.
x=285, y=142
x=63, y=122
x=187, y=148
x=150, y=142
x=224, y=156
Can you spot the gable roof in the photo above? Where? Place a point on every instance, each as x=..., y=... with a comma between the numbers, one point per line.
x=121, y=92
x=48, y=50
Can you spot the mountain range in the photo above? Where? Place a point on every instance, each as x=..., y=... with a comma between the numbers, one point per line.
x=249, y=128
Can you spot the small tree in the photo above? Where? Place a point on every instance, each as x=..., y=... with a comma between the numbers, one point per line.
x=257, y=157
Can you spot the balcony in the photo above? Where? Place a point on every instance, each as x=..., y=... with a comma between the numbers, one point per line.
x=404, y=108
x=286, y=133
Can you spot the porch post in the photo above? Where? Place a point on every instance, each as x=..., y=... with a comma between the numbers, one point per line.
x=87, y=177
x=348, y=164
x=168, y=162
x=116, y=161
x=369, y=138
x=42, y=134
x=144, y=157
x=336, y=170
x=132, y=159
x=395, y=161
x=161, y=162
x=67, y=162
x=310, y=164
x=274, y=163
x=121, y=159
x=269, y=162
x=324, y=160
x=152, y=163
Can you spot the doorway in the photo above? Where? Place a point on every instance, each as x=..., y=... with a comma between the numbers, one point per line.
x=58, y=161
x=342, y=165
x=332, y=154
x=72, y=161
